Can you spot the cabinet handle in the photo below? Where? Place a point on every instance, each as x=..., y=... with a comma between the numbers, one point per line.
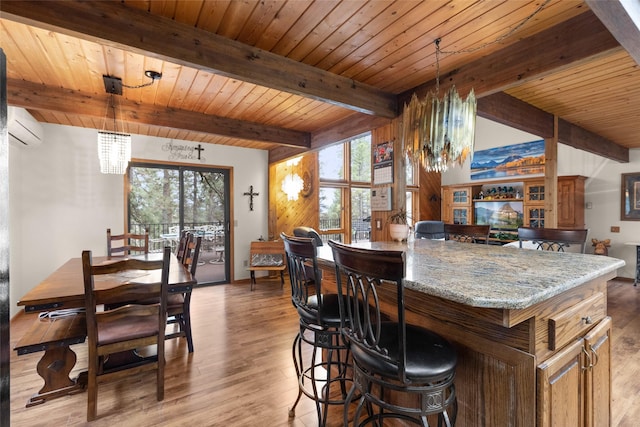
x=595, y=356
x=589, y=365
x=587, y=320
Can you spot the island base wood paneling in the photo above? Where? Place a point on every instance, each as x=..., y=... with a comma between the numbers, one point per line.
x=500, y=377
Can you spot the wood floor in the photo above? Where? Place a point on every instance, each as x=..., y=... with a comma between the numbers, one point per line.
x=241, y=373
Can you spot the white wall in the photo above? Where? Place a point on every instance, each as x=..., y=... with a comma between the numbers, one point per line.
x=60, y=203
x=602, y=187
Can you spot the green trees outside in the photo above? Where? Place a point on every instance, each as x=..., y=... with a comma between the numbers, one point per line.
x=155, y=197
x=357, y=174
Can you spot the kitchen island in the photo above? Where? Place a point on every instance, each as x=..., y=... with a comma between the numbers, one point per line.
x=530, y=327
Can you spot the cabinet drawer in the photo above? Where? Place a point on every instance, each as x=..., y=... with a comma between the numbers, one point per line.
x=568, y=324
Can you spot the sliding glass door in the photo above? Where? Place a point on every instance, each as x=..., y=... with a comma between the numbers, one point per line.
x=168, y=199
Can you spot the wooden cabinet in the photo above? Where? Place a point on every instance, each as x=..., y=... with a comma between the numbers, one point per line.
x=574, y=387
x=571, y=202
x=457, y=206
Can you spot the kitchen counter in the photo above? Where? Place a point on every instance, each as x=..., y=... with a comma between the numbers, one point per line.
x=527, y=326
x=467, y=273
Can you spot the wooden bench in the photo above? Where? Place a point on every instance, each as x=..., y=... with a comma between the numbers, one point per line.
x=267, y=256
x=54, y=335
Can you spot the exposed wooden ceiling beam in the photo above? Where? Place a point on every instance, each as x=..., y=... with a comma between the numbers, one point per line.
x=577, y=137
x=510, y=111
x=39, y=97
x=622, y=18
x=179, y=43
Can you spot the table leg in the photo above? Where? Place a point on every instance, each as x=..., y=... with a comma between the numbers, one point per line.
x=54, y=367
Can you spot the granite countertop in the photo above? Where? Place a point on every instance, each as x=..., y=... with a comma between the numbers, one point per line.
x=491, y=276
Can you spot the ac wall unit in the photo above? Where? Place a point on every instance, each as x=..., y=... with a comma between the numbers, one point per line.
x=23, y=128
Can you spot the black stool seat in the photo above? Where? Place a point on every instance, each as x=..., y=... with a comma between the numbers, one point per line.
x=329, y=310
x=429, y=357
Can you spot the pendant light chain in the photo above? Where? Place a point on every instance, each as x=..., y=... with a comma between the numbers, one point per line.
x=498, y=40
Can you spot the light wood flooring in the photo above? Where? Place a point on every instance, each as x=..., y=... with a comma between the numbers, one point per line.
x=241, y=373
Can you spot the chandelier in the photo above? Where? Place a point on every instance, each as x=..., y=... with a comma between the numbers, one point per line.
x=114, y=148
x=438, y=133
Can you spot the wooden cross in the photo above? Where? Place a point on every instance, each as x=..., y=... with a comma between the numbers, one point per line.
x=199, y=149
x=250, y=193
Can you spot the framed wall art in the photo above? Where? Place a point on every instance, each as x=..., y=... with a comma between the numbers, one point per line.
x=630, y=197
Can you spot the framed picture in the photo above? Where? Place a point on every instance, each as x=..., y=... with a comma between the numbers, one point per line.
x=383, y=163
x=630, y=197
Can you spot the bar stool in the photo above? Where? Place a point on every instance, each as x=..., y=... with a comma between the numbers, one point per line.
x=391, y=356
x=320, y=321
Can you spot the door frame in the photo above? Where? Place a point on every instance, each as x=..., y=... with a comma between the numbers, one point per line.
x=181, y=167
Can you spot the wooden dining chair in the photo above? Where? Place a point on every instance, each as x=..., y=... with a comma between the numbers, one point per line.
x=467, y=233
x=130, y=243
x=185, y=237
x=127, y=327
x=179, y=304
x=554, y=239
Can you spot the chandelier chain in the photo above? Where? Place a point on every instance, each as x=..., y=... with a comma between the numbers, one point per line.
x=499, y=39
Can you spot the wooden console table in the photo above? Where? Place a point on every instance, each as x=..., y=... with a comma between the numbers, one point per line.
x=528, y=327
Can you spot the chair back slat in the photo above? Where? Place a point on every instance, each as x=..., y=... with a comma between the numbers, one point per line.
x=553, y=239
x=130, y=243
x=192, y=253
x=363, y=275
x=183, y=242
x=304, y=273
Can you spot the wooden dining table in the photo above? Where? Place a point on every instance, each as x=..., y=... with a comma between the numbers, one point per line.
x=59, y=300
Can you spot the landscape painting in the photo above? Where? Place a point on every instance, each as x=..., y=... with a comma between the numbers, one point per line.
x=500, y=215
x=526, y=158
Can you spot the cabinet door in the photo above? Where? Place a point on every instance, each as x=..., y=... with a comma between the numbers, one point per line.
x=571, y=202
x=461, y=215
x=561, y=388
x=597, y=345
x=566, y=204
x=534, y=193
x=461, y=196
x=534, y=217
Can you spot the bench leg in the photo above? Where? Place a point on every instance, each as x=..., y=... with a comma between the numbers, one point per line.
x=54, y=368
x=253, y=278
x=281, y=279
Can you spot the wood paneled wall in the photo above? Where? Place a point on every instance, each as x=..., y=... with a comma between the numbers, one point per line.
x=379, y=135
x=284, y=214
x=429, y=200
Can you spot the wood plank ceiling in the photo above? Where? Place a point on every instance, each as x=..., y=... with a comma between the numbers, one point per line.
x=291, y=75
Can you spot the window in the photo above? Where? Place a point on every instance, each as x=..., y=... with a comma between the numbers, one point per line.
x=331, y=161
x=412, y=177
x=345, y=190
